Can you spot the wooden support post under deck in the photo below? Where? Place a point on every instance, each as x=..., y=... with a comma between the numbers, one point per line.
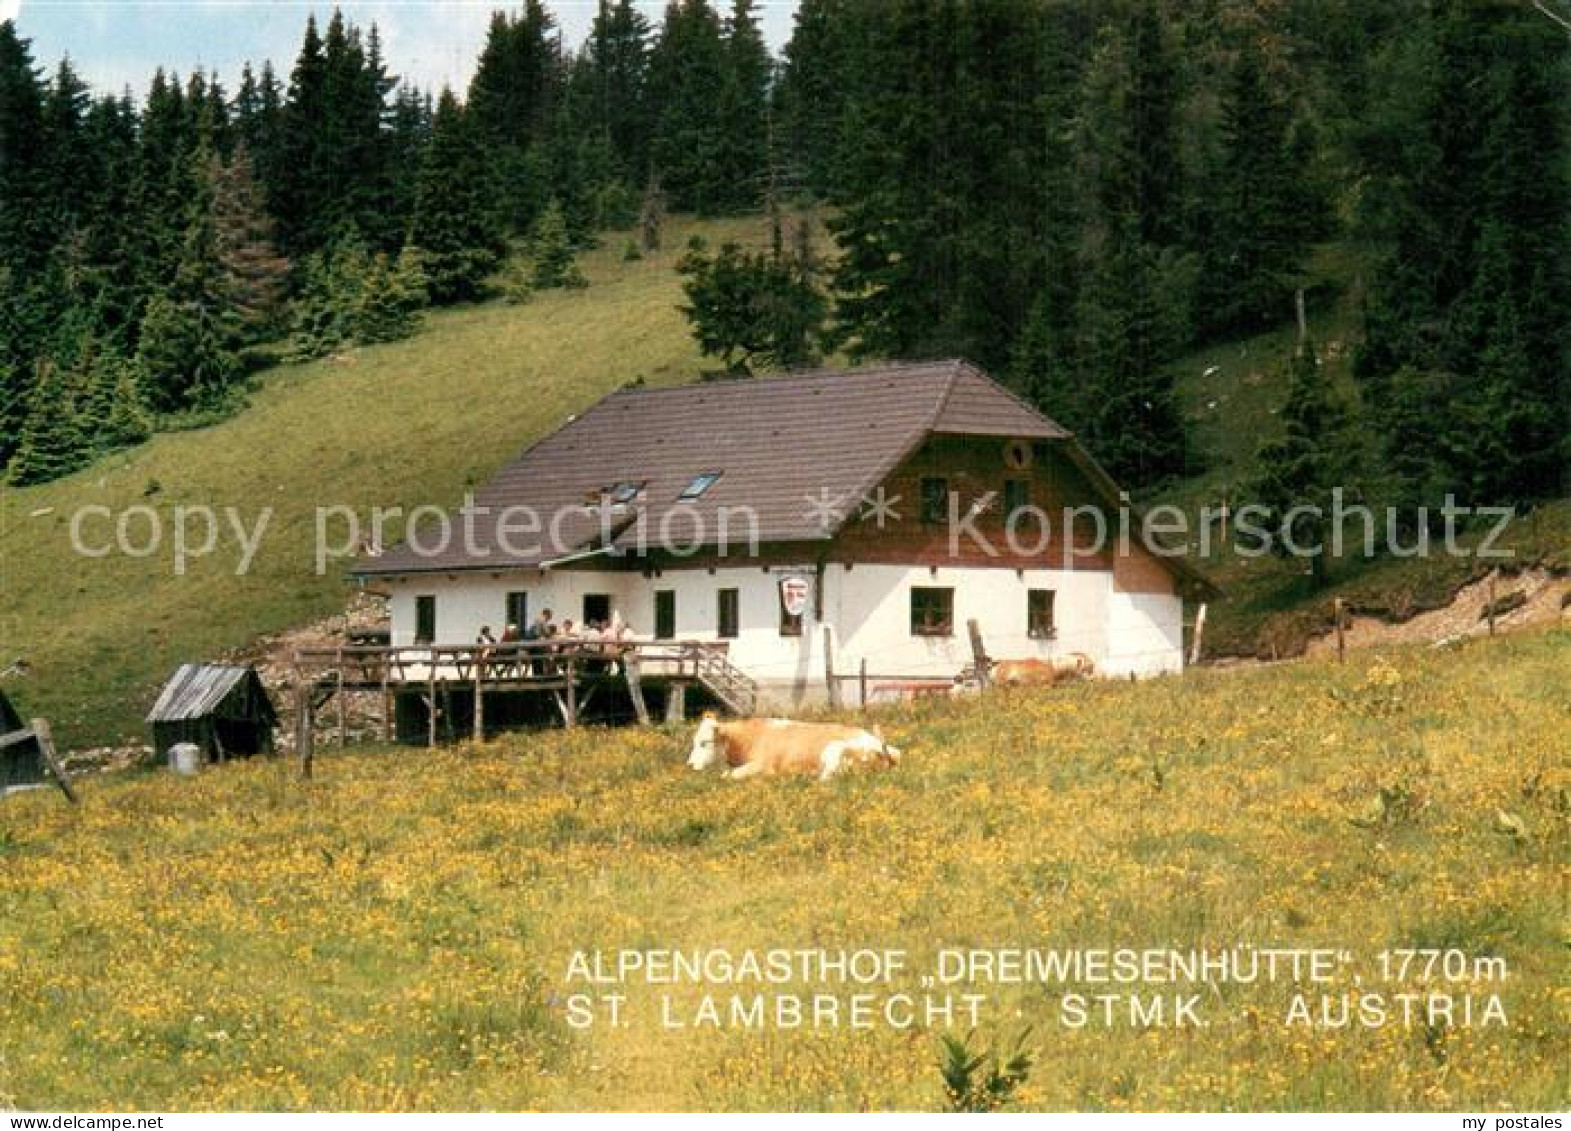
x=979, y=655
x=635, y=688
x=1341, y=644
x=570, y=671
x=479, y=703
x=676, y=703
x=830, y=684
x=304, y=726
x=430, y=730
x=343, y=710
x=387, y=708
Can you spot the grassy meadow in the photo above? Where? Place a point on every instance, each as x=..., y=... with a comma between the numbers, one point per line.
x=396, y=933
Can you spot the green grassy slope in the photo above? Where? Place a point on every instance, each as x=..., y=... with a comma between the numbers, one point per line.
x=404, y=424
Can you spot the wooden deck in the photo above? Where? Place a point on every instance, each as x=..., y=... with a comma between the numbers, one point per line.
x=570, y=671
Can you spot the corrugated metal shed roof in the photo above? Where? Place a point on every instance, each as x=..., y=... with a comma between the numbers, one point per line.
x=778, y=442
x=196, y=690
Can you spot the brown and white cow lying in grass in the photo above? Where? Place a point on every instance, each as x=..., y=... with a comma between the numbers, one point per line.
x=749, y=747
x=1043, y=673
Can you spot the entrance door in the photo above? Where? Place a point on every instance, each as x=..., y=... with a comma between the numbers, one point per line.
x=665, y=614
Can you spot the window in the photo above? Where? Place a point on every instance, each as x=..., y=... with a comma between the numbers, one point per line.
x=1039, y=614
x=729, y=613
x=597, y=608
x=621, y=494
x=1017, y=497
x=935, y=501
x=698, y=486
x=518, y=610
x=932, y=612
x=425, y=619
x=665, y=614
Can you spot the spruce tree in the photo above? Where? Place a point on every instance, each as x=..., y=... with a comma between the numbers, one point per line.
x=551, y=250
x=1128, y=329
x=816, y=92
x=16, y=351
x=616, y=72
x=743, y=114
x=687, y=78
x=392, y=293
x=52, y=443
x=1265, y=215
x=409, y=130
x=184, y=355
x=127, y=420
x=71, y=171
x=25, y=236
x=1300, y=470
x=253, y=274
x=456, y=224
x=322, y=315
x=513, y=102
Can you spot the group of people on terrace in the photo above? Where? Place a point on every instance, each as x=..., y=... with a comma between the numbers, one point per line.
x=602, y=638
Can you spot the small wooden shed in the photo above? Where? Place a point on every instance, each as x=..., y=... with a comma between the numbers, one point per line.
x=222, y=708
x=21, y=754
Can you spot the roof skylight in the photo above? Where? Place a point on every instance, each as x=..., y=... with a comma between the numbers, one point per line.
x=698, y=486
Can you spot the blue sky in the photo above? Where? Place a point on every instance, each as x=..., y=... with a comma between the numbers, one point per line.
x=118, y=42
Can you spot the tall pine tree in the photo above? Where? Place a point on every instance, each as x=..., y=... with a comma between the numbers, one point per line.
x=457, y=225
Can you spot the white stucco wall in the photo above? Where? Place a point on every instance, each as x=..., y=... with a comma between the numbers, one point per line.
x=1145, y=634
x=868, y=607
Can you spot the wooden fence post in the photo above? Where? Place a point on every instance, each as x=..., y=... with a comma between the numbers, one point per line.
x=979, y=655
x=46, y=747
x=305, y=728
x=831, y=685
x=1200, y=633
x=1491, y=607
x=861, y=682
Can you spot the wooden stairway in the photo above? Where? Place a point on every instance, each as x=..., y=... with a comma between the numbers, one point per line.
x=725, y=681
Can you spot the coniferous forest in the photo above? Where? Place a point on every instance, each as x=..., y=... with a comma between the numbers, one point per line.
x=1073, y=193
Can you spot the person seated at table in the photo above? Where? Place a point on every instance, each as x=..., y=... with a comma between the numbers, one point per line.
x=543, y=628
x=592, y=635
x=508, y=648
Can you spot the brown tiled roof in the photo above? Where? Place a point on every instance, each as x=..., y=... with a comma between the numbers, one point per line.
x=778, y=442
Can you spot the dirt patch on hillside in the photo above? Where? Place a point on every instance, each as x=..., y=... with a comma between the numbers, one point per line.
x=1532, y=597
